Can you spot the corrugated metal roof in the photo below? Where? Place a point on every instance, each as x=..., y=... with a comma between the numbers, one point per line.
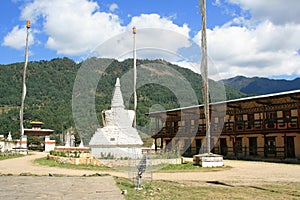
x=231, y=101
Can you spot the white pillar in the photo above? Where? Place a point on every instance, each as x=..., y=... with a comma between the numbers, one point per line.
x=23, y=141
x=49, y=144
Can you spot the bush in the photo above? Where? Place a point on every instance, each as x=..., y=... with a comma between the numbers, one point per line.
x=73, y=154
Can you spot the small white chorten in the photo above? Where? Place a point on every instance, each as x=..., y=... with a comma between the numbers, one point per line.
x=9, y=138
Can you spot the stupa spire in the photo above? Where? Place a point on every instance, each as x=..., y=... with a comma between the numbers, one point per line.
x=117, y=100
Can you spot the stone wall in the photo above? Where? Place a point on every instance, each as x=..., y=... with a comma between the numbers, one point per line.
x=107, y=162
x=7, y=145
x=76, y=161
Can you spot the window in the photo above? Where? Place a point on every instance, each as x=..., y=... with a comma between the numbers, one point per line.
x=239, y=122
x=216, y=120
x=239, y=118
x=250, y=122
x=271, y=115
x=287, y=115
x=270, y=121
x=192, y=122
x=182, y=123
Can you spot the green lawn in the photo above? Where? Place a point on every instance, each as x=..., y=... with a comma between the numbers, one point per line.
x=52, y=163
x=4, y=157
x=188, y=167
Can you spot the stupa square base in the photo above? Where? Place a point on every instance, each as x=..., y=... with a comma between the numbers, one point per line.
x=116, y=152
x=208, y=160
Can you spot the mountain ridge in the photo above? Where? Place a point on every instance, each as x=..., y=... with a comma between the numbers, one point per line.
x=261, y=85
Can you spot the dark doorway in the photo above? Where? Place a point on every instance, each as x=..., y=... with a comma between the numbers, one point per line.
x=168, y=145
x=237, y=146
x=223, y=146
x=290, y=147
x=212, y=145
x=198, y=145
x=252, y=146
x=187, y=150
x=270, y=146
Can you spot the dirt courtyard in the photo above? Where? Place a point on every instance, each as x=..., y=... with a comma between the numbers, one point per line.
x=239, y=173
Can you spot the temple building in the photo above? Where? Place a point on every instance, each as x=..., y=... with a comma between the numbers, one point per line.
x=264, y=127
x=117, y=138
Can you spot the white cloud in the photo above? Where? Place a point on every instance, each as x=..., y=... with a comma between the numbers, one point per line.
x=73, y=26
x=217, y=3
x=154, y=39
x=76, y=27
x=113, y=7
x=17, y=38
x=277, y=11
x=156, y=21
x=160, y=33
x=266, y=50
x=151, y=43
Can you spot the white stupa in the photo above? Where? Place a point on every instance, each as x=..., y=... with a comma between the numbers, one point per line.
x=117, y=137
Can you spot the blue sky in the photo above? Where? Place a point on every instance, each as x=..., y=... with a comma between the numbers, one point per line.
x=245, y=37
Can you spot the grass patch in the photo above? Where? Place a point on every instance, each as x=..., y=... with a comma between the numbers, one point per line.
x=188, y=167
x=52, y=163
x=4, y=157
x=159, y=190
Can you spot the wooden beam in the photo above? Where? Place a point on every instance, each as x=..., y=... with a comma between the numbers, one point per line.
x=295, y=97
x=234, y=106
x=267, y=102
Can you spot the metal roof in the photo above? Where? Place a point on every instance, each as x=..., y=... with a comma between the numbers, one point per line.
x=231, y=101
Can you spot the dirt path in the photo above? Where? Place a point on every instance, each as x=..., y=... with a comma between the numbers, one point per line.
x=26, y=164
x=241, y=172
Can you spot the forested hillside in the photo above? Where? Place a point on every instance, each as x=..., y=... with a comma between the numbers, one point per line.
x=49, y=92
x=50, y=86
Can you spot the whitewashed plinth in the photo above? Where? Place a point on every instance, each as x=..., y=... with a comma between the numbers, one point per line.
x=208, y=160
x=21, y=147
x=49, y=144
x=116, y=151
x=21, y=150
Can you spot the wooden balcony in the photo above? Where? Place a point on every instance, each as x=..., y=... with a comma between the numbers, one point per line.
x=277, y=124
x=255, y=126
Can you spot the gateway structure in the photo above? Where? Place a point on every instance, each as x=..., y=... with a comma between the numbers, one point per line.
x=117, y=138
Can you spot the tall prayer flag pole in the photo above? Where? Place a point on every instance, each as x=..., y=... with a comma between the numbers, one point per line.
x=204, y=73
x=134, y=76
x=23, y=82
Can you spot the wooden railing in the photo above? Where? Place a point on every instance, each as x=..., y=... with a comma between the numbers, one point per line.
x=263, y=152
x=232, y=127
x=256, y=125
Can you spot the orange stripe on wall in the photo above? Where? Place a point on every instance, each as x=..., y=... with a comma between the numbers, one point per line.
x=23, y=142
x=50, y=142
